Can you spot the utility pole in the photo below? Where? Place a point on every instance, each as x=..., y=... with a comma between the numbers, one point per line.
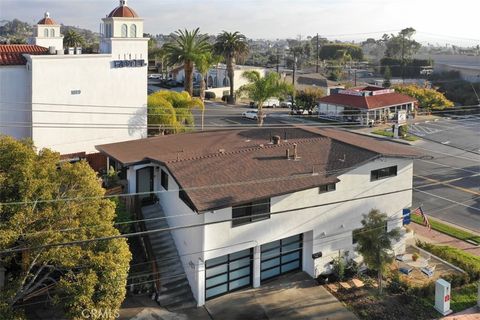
x=403, y=58
x=355, y=77
x=318, y=53
x=294, y=67
x=278, y=61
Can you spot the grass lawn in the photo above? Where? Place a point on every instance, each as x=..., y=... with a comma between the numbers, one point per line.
x=447, y=229
x=389, y=134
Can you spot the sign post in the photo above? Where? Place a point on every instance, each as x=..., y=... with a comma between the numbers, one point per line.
x=442, y=297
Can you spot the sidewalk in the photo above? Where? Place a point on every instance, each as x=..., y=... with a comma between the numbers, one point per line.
x=469, y=314
x=432, y=236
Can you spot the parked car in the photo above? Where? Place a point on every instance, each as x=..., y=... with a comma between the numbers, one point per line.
x=286, y=104
x=269, y=103
x=154, y=76
x=252, y=114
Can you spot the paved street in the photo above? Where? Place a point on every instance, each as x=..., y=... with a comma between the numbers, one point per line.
x=447, y=186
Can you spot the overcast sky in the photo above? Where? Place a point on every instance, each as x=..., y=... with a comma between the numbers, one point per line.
x=442, y=21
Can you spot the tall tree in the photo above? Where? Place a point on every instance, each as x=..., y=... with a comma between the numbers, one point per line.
x=375, y=243
x=233, y=47
x=259, y=89
x=184, y=48
x=387, y=76
x=171, y=112
x=401, y=46
x=72, y=39
x=87, y=276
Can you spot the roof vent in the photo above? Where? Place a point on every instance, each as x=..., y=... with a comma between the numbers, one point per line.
x=221, y=151
x=276, y=140
x=295, y=152
x=261, y=145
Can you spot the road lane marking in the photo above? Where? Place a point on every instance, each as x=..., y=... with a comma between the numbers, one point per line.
x=231, y=121
x=447, y=183
x=446, y=199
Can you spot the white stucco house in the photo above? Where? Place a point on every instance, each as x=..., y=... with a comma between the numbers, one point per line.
x=217, y=78
x=265, y=202
x=69, y=101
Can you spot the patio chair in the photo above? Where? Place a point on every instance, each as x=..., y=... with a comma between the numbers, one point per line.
x=400, y=257
x=406, y=270
x=429, y=270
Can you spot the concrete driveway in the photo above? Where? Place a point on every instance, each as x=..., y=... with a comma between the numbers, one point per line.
x=292, y=296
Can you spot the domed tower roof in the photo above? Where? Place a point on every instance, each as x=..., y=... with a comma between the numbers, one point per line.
x=123, y=11
x=47, y=20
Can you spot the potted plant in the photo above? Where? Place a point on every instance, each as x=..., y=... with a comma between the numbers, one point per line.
x=415, y=256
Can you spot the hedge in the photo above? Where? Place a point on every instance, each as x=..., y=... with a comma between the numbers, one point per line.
x=464, y=260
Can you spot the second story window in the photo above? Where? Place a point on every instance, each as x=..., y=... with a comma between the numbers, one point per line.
x=327, y=188
x=383, y=173
x=164, y=179
x=251, y=212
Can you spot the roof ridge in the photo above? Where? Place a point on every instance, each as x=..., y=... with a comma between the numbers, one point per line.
x=253, y=148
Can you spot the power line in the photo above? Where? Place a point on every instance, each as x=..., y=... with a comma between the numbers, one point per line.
x=139, y=233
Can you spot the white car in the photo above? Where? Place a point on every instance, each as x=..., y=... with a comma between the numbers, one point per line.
x=252, y=114
x=286, y=104
x=155, y=76
x=272, y=102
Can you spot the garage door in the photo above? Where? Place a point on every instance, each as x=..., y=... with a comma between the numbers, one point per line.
x=281, y=256
x=228, y=273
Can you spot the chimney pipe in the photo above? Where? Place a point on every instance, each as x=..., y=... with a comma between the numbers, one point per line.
x=295, y=151
x=276, y=140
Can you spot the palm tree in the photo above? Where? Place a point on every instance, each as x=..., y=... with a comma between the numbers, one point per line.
x=203, y=64
x=171, y=112
x=259, y=89
x=184, y=47
x=232, y=46
x=375, y=243
x=72, y=39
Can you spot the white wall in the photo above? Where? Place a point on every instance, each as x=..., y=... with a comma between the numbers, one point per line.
x=15, y=107
x=189, y=241
x=78, y=122
x=332, y=219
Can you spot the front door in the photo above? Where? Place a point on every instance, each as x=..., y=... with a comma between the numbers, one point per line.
x=145, y=185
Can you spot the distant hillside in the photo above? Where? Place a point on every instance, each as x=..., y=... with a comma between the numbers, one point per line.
x=17, y=31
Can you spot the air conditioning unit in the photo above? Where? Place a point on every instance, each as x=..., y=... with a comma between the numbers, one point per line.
x=52, y=50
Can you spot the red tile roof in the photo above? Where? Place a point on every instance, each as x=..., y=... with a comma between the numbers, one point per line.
x=123, y=12
x=12, y=54
x=222, y=168
x=47, y=20
x=368, y=102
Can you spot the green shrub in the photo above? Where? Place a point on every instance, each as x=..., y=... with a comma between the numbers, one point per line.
x=210, y=95
x=464, y=297
x=464, y=260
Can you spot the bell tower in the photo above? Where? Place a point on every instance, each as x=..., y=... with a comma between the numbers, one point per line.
x=46, y=33
x=122, y=34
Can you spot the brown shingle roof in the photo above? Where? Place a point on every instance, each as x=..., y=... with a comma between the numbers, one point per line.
x=249, y=167
x=368, y=102
x=12, y=54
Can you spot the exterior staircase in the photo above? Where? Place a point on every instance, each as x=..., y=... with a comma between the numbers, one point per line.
x=175, y=292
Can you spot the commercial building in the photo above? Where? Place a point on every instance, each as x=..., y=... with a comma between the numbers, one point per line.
x=71, y=102
x=366, y=105
x=261, y=203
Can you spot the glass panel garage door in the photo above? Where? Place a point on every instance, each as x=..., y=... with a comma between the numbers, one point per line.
x=228, y=273
x=281, y=256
